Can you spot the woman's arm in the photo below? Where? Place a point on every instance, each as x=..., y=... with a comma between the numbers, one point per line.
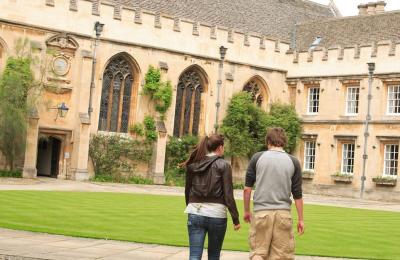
x=228, y=194
x=188, y=186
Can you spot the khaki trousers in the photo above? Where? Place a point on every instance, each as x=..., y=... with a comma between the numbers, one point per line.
x=271, y=235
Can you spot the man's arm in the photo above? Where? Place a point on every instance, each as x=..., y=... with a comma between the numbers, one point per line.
x=250, y=180
x=246, y=202
x=300, y=221
x=297, y=193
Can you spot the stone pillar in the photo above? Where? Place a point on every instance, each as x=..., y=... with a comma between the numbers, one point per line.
x=81, y=149
x=158, y=161
x=32, y=136
x=81, y=136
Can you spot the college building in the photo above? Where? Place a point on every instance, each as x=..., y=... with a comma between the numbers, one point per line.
x=292, y=51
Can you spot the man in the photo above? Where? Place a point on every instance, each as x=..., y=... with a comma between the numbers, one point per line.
x=276, y=176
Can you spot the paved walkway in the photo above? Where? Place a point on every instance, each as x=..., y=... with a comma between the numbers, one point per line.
x=28, y=245
x=49, y=184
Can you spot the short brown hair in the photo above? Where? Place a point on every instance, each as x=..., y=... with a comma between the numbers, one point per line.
x=276, y=136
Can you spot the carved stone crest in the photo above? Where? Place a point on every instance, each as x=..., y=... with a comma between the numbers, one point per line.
x=63, y=41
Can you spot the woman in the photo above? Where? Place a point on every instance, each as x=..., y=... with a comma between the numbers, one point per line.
x=208, y=193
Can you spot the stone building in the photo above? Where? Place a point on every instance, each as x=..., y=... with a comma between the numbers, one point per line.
x=293, y=51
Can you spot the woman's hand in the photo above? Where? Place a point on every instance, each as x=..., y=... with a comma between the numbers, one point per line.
x=236, y=227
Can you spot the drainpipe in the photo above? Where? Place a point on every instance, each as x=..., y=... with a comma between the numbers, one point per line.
x=222, y=52
x=98, y=27
x=371, y=68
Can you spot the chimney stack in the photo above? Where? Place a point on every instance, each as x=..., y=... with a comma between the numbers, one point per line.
x=362, y=9
x=380, y=7
x=372, y=8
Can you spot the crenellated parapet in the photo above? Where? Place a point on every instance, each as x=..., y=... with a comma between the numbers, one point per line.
x=162, y=21
x=380, y=49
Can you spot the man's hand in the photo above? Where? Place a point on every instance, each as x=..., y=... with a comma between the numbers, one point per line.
x=247, y=217
x=236, y=227
x=300, y=227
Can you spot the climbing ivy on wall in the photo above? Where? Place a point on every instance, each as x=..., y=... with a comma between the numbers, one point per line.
x=160, y=92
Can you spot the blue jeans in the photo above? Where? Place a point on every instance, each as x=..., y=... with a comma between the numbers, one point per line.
x=198, y=227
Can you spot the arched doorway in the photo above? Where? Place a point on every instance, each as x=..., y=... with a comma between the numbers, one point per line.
x=48, y=157
x=257, y=87
x=189, y=98
x=116, y=95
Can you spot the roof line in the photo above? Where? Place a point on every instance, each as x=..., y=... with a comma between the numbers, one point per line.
x=349, y=17
x=315, y=3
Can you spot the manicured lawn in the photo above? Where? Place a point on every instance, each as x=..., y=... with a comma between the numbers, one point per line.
x=331, y=231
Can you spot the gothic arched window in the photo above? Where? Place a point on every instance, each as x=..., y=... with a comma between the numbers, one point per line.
x=254, y=88
x=188, y=103
x=116, y=96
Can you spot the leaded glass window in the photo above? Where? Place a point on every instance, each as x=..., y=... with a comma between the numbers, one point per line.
x=188, y=103
x=254, y=88
x=116, y=96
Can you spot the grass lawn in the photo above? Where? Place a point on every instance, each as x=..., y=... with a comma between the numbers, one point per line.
x=330, y=231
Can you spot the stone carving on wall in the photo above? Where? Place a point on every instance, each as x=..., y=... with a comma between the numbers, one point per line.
x=61, y=52
x=61, y=64
x=63, y=41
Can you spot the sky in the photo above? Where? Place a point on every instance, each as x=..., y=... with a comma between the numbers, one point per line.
x=349, y=7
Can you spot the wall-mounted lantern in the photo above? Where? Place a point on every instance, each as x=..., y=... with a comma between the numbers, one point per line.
x=62, y=110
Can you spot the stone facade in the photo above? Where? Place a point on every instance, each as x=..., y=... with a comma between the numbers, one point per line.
x=144, y=35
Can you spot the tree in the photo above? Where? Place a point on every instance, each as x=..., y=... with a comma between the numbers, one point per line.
x=245, y=125
x=17, y=96
x=285, y=116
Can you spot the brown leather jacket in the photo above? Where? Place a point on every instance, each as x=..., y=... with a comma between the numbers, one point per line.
x=211, y=181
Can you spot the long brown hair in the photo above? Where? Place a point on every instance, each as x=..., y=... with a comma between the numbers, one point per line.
x=206, y=145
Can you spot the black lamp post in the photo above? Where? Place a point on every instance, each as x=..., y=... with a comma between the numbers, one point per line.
x=371, y=69
x=222, y=52
x=98, y=28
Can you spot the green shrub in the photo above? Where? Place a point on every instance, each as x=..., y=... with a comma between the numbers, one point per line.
x=285, y=116
x=11, y=174
x=112, y=154
x=137, y=129
x=177, y=151
x=245, y=125
x=150, y=128
x=174, y=177
x=131, y=179
x=238, y=186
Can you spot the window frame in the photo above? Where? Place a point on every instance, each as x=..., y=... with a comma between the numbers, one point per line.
x=385, y=159
x=348, y=88
x=394, y=100
x=307, y=155
x=309, y=112
x=344, y=157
